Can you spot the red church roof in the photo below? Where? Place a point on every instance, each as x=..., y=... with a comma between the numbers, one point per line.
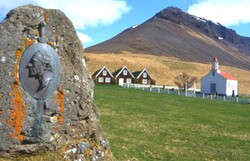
x=227, y=76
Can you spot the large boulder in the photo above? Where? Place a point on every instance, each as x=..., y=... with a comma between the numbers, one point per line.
x=69, y=119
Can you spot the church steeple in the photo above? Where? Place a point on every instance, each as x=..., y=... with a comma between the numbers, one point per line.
x=215, y=65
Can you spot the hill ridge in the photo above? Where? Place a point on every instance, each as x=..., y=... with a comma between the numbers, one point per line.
x=175, y=33
x=216, y=31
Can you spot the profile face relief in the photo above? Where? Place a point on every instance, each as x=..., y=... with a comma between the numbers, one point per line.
x=40, y=71
x=39, y=63
x=40, y=66
x=31, y=67
x=34, y=67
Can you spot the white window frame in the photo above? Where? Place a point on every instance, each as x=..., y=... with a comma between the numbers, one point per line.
x=104, y=73
x=144, y=81
x=128, y=80
x=125, y=72
x=145, y=75
x=100, y=80
x=107, y=79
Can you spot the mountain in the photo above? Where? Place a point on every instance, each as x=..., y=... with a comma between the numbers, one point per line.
x=175, y=33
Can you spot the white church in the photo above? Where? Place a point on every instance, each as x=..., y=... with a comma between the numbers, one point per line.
x=217, y=82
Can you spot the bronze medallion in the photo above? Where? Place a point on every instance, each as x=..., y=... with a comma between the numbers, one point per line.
x=40, y=71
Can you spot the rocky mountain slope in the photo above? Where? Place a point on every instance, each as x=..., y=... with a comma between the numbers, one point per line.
x=175, y=33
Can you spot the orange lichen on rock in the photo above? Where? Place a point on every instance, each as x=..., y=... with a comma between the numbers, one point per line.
x=28, y=42
x=57, y=40
x=50, y=43
x=17, y=111
x=46, y=16
x=18, y=58
x=36, y=32
x=59, y=100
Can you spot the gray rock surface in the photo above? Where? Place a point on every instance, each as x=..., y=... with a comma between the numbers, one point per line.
x=70, y=113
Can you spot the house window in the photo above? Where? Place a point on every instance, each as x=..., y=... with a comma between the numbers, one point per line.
x=125, y=72
x=129, y=80
x=145, y=75
x=100, y=79
x=144, y=81
x=107, y=79
x=104, y=73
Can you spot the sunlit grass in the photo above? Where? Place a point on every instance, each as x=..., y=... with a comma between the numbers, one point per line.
x=151, y=126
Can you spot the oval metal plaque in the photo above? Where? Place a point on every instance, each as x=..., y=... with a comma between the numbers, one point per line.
x=40, y=70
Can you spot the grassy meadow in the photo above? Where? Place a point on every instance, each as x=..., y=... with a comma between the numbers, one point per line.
x=148, y=126
x=163, y=69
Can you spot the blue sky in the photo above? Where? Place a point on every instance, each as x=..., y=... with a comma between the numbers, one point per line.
x=99, y=20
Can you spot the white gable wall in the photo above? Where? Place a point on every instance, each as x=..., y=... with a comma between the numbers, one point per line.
x=217, y=79
x=232, y=85
x=221, y=84
x=205, y=88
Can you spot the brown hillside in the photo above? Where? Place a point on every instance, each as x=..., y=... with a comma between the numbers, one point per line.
x=174, y=33
x=163, y=69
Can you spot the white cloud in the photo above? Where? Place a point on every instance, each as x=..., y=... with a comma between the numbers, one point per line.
x=89, y=13
x=82, y=13
x=83, y=37
x=226, y=12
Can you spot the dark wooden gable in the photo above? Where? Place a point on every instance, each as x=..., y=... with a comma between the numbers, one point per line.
x=103, y=76
x=120, y=73
x=142, y=77
x=123, y=75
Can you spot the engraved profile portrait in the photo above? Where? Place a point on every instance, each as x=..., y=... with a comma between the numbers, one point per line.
x=40, y=70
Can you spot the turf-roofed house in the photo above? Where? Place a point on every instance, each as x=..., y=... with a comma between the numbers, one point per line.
x=143, y=77
x=102, y=76
x=123, y=75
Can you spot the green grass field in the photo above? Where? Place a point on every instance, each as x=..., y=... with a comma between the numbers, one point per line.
x=150, y=126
